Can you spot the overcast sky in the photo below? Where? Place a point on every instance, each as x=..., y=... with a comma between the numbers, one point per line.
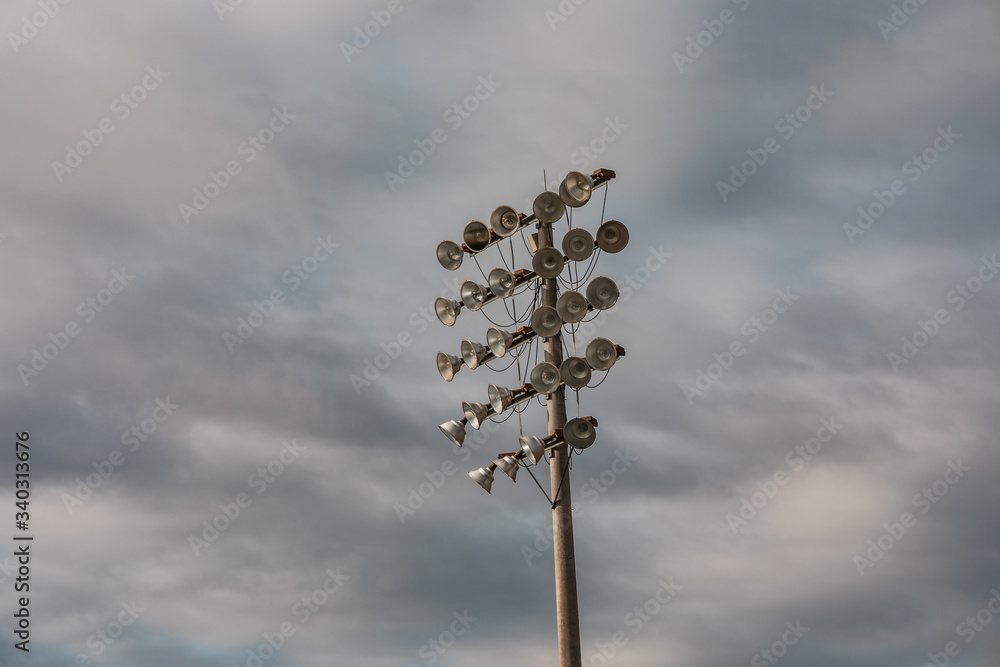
x=216, y=216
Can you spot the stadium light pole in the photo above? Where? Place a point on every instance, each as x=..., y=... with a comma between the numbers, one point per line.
x=564, y=553
x=548, y=377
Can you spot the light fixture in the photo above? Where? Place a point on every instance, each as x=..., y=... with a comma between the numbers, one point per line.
x=448, y=365
x=545, y=321
x=612, y=236
x=532, y=447
x=499, y=341
x=508, y=464
x=501, y=282
x=455, y=430
x=484, y=476
x=602, y=354
x=602, y=293
x=500, y=397
x=474, y=353
x=571, y=307
x=580, y=432
x=548, y=207
x=575, y=372
x=477, y=413
x=474, y=295
x=545, y=377
x=476, y=235
x=578, y=244
x=450, y=255
x=575, y=189
x=505, y=221
x=548, y=262
x=447, y=311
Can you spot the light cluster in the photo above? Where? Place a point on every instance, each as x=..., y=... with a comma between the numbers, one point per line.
x=544, y=322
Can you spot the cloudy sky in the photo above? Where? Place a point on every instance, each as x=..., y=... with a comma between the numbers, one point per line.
x=218, y=217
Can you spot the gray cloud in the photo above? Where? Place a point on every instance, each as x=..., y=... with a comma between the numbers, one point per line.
x=371, y=449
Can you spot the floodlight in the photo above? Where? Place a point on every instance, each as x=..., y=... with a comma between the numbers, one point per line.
x=448, y=365
x=499, y=341
x=545, y=321
x=508, y=465
x=602, y=293
x=580, y=432
x=612, y=236
x=455, y=430
x=548, y=262
x=474, y=353
x=575, y=372
x=575, y=189
x=548, y=207
x=571, y=307
x=545, y=377
x=501, y=282
x=532, y=447
x=476, y=235
x=602, y=354
x=500, y=397
x=477, y=413
x=484, y=476
x=578, y=244
x=474, y=295
x=447, y=311
x=450, y=255
x=505, y=221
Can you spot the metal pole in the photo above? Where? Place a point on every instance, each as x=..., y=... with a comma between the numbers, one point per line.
x=567, y=606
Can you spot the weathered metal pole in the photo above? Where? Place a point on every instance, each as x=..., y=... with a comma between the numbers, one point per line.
x=567, y=606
